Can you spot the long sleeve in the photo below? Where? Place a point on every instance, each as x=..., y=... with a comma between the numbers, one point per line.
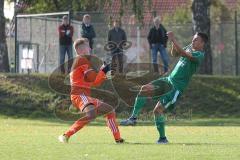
x=101, y=77
x=83, y=31
x=93, y=33
x=61, y=34
x=109, y=36
x=165, y=36
x=71, y=31
x=149, y=36
x=124, y=36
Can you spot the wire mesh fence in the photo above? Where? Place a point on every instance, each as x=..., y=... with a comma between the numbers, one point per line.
x=42, y=31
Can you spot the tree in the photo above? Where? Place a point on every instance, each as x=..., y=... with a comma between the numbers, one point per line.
x=201, y=23
x=41, y=6
x=4, y=62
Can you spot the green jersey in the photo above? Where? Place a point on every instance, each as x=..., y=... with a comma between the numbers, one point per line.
x=185, y=68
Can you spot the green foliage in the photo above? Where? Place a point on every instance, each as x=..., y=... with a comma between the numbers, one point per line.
x=220, y=12
x=181, y=15
x=43, y=6
x=207, y=96
x=23, y=95
x=211, y=96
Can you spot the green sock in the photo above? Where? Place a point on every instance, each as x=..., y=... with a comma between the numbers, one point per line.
x=160, y=123
x=138, y=105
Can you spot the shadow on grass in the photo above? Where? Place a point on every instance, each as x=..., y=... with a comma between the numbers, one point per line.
x=100, y=121
x=231, y=122
x=196, y=122
x=171, y=143
x=184, y=144
x=205, y=144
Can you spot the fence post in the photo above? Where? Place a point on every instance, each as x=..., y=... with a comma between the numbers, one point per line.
x=138, y=50
x=16, y=45
x=45, y=45
x=236, y=42
x=38, y=58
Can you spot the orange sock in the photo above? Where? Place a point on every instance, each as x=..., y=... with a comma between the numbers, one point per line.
x=77, y=126
x=112, y=124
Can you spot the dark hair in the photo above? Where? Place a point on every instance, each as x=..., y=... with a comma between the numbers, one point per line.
x=204, y=36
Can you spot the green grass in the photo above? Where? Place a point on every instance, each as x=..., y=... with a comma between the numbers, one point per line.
x=23, y=139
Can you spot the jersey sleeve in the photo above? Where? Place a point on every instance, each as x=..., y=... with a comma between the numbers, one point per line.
x=187, y=47
x=198, y=56
x=61, y=34
x=71, y=31
x=101, y=77
x=81, y=68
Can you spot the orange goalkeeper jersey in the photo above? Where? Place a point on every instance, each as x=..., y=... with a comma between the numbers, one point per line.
x=78, y=85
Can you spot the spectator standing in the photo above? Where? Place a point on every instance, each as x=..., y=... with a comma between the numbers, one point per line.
x=117, y=35
x=157, y=39
x=65, y=39
x=88, y=30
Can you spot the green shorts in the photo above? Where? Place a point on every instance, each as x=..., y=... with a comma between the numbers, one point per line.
x=165, y=92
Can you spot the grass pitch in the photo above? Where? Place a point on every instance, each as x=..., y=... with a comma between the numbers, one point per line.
x=23, y=139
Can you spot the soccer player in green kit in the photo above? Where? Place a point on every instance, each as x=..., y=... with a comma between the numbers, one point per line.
x=166, y=90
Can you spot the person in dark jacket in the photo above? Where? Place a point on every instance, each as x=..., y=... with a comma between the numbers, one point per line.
x=157, y=39
x=88, y=30
x=65, y=31
x=117, y=35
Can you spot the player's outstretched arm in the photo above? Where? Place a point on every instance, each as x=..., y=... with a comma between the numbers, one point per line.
x=177, y=47
x=101, y=76
x=174, y=52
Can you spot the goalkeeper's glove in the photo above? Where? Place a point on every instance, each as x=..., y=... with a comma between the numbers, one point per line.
x=106, y=68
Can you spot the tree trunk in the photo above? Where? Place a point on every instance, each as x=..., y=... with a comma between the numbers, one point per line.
x=201, y=23
x=4, y=64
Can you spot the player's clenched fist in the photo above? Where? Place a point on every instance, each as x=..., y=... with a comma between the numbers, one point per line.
x=170, y=35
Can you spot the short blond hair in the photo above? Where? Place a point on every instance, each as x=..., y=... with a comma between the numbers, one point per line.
x=157, y=19
x=79, y=42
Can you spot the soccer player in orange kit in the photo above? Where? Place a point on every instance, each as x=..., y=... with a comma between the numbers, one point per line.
x=81, y=93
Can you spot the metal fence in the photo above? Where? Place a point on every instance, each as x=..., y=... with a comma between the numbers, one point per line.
x=223, y=40
x=42, y=32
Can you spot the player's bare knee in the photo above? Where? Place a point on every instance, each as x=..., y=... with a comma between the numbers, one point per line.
x=159, y=109
x=105, y=108
x=91, y=115
x=146, y=89
x=90, y=112
x=155, y=111
x=143, y=88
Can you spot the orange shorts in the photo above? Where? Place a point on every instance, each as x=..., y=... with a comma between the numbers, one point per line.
x=81, y=101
